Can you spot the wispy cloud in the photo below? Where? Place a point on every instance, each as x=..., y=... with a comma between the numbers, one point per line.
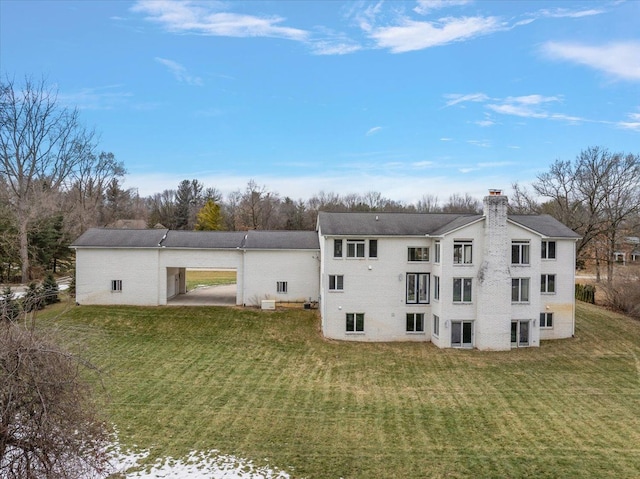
x=373, y=131
x=528, y=106
x=567, y=13
x=180, y=72
x=208, y=18
x=456, y=98
x=412, y=35
x=632, y=124
x=426, y=6
x=99, y=98
x=619, y=60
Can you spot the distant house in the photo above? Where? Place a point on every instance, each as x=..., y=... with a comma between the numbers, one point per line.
x=490, y=281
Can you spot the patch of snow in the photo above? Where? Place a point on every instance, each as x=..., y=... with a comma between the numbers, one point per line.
x=197, y=465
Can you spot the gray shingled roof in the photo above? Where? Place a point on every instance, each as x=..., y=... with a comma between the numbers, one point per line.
x=418, y=224
x=153, y=238
x=386, y=224
x=120, y=238
x=282, y=240
x=545, y=225
x=204, y=239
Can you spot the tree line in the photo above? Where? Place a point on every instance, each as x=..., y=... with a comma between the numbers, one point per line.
x=55, y=183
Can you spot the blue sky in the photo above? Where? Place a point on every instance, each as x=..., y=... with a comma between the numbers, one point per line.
x=404, y=98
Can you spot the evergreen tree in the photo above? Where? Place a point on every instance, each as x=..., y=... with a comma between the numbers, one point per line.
x=209, y=217
x=50, y=289
x=9, y=307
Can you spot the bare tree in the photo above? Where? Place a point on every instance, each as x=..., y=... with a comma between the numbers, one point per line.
x=462, y=204
x=49, y=426
x=428, y=204
x=41, y=143
x=594, y=196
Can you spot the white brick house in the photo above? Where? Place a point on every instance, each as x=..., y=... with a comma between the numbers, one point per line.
x=490, y=281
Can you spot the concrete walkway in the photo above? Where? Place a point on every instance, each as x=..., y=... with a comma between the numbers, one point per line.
x=224, y=295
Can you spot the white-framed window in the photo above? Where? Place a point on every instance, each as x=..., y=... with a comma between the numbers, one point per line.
x=355, y=322
x=519, y=252
x=355, y=248
x=461, y=334
x=462, y=252
x=520, y=290
x=116, y=286
x=520, y=333
x=462, y=290
x=548, y=283
x=546, y=320
x=417, y=288
x=281, y=287
x=548, y=249
x=337, y=248
x=436, y=252
x=436, y=287
x=436, y=325
x=373, y=248
x=415, y=322
x=336, y=282
x=418, y=253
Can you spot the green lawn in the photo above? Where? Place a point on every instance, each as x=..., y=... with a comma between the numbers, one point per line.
x=197, y=278
x=266, y=386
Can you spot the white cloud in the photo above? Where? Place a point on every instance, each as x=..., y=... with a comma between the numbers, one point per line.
x=180, y=72
x=455, y=98
x=412, y=35
x=329, y=47
x=485, y=123
x=373, y=131
x=634, y=124
x=528, y=106
x=426, y=6
x=205, y=18
x=566, y=13
x=99, y=98
x=618, y=59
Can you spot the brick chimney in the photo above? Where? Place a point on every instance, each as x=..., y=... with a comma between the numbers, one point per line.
x=494, y=277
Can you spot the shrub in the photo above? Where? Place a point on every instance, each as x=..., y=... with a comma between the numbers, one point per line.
x=50, y=289
x=586, y=293
x=9, y=307
x=32, y=299
x=623, y=293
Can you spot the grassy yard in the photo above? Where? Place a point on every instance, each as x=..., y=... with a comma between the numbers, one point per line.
x=267, y=387
x=196, y=277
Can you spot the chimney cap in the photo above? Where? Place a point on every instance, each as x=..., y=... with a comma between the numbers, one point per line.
x=495, y=192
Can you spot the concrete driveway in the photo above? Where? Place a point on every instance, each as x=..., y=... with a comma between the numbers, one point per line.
x=224, y=295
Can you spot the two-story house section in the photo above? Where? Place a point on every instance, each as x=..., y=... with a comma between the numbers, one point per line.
x=489, y=281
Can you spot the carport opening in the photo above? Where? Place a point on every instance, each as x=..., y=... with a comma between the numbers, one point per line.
x=215, y=286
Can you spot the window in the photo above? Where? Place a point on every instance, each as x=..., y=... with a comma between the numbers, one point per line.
x=336, y=282
x=520, y=290
x=548, y=250
x=355, y=248
x=337, y=248
x=116, y=286
x=546, y=320
x=436, y=287
x=355, y=322
x=281, y=287
x=415, y=322
x=418, y=254
x=462, y=252
x=436, y=325
x=548, y=283
x=436, y=258
x=519, y=333
x=461, y=334
x=373, y=248
x=417, y=288
x=461, y=290
x=520, y=252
